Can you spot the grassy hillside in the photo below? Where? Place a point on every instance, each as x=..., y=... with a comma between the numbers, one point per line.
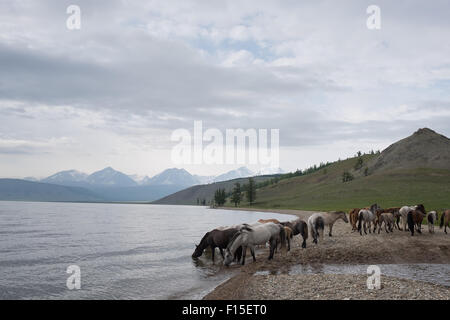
x=324, y=189
x=190, y=195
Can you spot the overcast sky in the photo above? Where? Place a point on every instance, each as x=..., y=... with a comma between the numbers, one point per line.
x=111, y=93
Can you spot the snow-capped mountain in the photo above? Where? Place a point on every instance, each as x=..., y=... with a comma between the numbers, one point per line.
x=110, y=177
x=241, y=172
x=172, y=176
x=67, y=177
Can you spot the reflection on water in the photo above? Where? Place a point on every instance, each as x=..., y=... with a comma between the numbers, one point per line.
x=125, y=251
x=434, y=273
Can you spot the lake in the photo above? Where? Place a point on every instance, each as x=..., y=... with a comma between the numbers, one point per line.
x=124, y=251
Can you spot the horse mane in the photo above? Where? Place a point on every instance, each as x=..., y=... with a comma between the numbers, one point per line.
x=421, y=208
x=204, y=237
x=237, y=234
x=246, y=227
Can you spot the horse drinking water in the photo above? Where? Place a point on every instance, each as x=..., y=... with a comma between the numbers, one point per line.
x=216, y=239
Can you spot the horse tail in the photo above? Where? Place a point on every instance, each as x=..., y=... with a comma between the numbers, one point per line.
x=442, y=220
x=305, y=231
x=319, y=225
x=430, y=219
x=410, y=221
x=282, y=236
x=360, y=218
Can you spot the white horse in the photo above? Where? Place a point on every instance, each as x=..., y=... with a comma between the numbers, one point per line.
x=368, y=217
x=329, y=218
x=316, y=224
x=251, y=236
x=431, y=218
x=406, y=209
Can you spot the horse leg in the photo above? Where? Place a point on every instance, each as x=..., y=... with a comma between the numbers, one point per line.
x=221, y=253
x=365, y=228
x=304, y=242
x=252, y=250
x=213, y=249
x=331, y=229
x=289, y=244
x=244, y=252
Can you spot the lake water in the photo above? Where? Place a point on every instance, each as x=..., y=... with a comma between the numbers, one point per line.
x=124, y=251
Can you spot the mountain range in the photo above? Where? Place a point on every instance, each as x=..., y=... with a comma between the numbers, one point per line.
x=111, y=185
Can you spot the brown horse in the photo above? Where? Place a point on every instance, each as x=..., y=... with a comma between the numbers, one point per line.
x=353, y=217
x=216, y=239
x=415, y=218
x=298, y=226
x=395, y=214
x=445, y=220
x=268, y=220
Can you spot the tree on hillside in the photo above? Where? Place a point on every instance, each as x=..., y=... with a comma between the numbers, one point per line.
x=359, y=163
x=251, y=191
x=236, y=194
x=347, y=176
x=220, y=197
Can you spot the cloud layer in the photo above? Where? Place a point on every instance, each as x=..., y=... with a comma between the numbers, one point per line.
x=112, y=92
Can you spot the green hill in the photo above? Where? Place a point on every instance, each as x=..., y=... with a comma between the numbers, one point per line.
x=411, y=171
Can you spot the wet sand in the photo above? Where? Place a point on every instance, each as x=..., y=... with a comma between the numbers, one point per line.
x=344, y=247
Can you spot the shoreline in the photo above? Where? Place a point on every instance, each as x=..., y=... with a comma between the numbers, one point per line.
x=343, y=248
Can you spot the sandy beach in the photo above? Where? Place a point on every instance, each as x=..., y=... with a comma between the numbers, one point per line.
x=265, y=279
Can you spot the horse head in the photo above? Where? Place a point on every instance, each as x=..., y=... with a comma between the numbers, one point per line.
x=228, y=257
x=342, y=215
x=200, y=247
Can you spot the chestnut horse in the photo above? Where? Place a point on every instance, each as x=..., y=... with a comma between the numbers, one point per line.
x=353, y=217
x=268, y=220
x=445, y=220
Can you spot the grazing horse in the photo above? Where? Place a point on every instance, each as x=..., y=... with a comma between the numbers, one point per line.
x=404, y=213
x=353, y=216
x=431, y=218
x=316, y=225
x=388, y=219
x=216, y=239
x=251, y=236
x=369, y=217
x=415, y=218
x=268, y=220
x=445, y=220
x=298, y=226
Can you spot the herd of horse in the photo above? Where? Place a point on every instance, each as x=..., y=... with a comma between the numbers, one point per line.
x=235, y=240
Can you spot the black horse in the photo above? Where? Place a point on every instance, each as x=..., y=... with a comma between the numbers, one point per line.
x=298, y=227
x=217, y=239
